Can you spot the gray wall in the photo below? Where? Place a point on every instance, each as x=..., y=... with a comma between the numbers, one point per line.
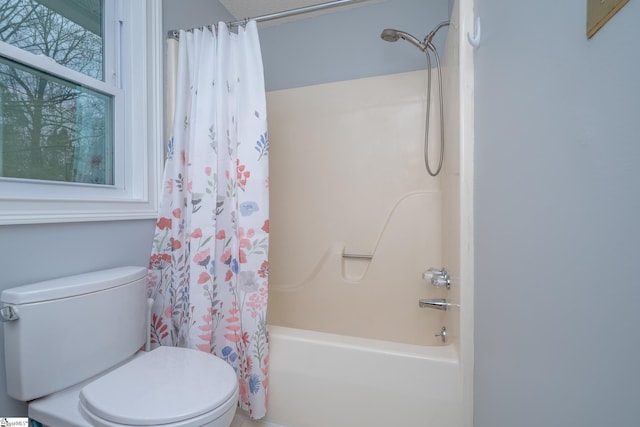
x=30, y=253
x=185, y=14
x=329, y=47
x=347, y=45
x=557, y=209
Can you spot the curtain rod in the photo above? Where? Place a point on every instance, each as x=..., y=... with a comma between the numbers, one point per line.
x=175, y=34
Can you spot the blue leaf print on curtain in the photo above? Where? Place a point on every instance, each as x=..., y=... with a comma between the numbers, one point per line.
x=262, y=145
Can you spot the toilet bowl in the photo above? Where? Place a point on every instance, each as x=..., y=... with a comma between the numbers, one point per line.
x=87, y=370
x=167, y=387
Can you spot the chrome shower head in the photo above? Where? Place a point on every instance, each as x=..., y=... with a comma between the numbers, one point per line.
x=392, y=35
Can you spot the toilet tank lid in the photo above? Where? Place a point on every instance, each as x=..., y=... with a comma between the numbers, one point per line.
x=70, y=286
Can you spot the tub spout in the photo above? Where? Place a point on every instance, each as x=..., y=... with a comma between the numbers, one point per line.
x=437, y=303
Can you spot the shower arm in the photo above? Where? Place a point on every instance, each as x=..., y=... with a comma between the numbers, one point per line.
x=429, y=37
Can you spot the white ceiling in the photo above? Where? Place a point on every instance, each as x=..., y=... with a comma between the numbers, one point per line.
x=241, y=9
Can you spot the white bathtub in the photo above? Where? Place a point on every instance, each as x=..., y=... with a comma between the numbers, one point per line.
x=326, y=380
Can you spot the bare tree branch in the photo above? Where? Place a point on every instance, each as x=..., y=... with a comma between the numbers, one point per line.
x=40, y=114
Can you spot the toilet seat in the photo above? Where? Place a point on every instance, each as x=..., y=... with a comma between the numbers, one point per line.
x=168, y=386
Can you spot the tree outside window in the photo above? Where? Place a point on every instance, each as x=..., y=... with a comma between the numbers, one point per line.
x=53, y=128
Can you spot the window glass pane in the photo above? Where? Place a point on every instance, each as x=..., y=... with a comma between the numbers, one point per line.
x=68, y=31
x=52, y=129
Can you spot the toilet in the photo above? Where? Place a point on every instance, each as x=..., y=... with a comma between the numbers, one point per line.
x=72, y=350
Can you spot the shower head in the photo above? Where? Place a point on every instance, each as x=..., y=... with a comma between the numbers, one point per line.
x=392, y=35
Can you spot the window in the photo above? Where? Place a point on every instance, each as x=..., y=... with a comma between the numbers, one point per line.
x=79, y=116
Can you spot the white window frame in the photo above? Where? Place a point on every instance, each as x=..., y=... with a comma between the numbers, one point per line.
x=135, y=80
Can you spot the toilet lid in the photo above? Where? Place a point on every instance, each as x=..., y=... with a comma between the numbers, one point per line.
x=166, y=385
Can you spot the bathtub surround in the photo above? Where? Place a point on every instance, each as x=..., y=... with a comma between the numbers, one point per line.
x=355, y=148
x=208, y=269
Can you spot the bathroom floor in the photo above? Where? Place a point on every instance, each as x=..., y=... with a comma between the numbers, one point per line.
x=241, y=420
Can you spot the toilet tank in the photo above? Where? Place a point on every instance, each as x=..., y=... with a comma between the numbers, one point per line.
x=72, y=328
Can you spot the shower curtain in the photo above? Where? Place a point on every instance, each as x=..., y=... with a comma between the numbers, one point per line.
x=208, y=269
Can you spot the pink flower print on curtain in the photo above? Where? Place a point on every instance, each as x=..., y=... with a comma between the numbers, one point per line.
x=208, y=271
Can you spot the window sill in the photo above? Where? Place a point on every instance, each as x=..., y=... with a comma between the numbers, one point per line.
x=58, y=216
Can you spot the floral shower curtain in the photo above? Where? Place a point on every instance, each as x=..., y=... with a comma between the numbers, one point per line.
x=208, y=269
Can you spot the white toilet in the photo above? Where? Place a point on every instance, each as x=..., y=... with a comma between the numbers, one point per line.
x=72, y=346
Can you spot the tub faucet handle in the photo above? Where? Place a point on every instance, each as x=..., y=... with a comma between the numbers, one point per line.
x=438, y=278
x=442, y=334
